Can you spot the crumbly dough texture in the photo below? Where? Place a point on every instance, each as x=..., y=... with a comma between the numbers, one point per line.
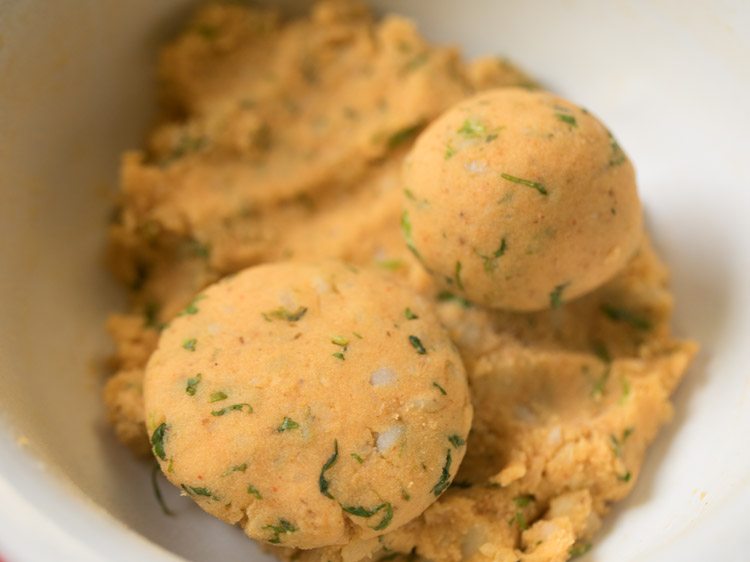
x=566, y=401
x=312, y=404
x=520, y=200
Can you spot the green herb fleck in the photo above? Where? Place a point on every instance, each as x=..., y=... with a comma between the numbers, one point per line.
x=197, y=249
x=406, y=229
x=459, y=282
x=416, y=343
x=617, y=156
x=450, y=152
x=490, y=262
x=217, y=396
x=189, y=344
x=253, y=491
x=625, y=316
x=198, y=491
x=625, y=391
x=391, y=265
x=236, y=468
x=339, y=355
x=456, y=440
x=157, y=491
x=357, y=458
x=410, y=194
x=233, y=408
x=403, y=135
x=409, y=314
x=287, y=424
x=618, y=443
x=523, y=500
x=192, y=308
x=601, y=383
x=555, y=297
x=283, y=313
x=360, y=511
x=440, y=388
x=323, y=483
x=472, y=129
x=340, y=341
x=445, y=476
x=192, y=384
x=447, y=296
x=579, y=549
x=519, y=519
x=569, y=119
x=528, y=183
x=625, y=477
x=406, y=496
x=282, y=528
x=157, y=441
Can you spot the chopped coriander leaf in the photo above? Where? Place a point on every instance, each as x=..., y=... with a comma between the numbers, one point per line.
x=625, y=477
x=626, y=316
x=555, y=297
x=569, y=119
x=403, y=135
x=157, y=491
x=410, y=194
x=236, y=468
x=338, y=355
x=601, y=383
x=189, y=344
x=524, y=499
x=528, y=183
x=191, y=308
x=519, y=519
x=287, y=424
x=157, y=441
x=407, y=232
x=192, y=384
x=233, y=408
x=625, y=391
x=618, y=443
x=323, y=483
x=283, y=313
x=391, y=265
x=450, y=152
x=456, y=440
x=472, y=129
x=360, y=511
x=446, y=296
x=440, y=388
x=198, y=491
x=579, y=549
x=253, y=491
x=445, y=476
x=217, y=396
x=459, y=282
x=416, y=343
x=617, y=155
x=406, y=496
x=490, y=262
x=281, y=528
x=357, y=458
x=409, y=314
x=340, y=341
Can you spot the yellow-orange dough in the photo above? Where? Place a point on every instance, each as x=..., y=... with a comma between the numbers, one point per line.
x=520, y=200
x=311, y=404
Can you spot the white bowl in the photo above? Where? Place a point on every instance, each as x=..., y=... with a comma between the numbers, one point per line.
x=671, y=78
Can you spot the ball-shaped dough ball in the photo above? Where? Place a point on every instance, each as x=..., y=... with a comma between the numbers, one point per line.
x=520, y=200
x=310, y=404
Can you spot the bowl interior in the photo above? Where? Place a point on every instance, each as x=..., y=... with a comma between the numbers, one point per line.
x=669, y=78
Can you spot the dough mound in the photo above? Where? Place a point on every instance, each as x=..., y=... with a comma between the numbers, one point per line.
x=311, y=404
x=520, y=200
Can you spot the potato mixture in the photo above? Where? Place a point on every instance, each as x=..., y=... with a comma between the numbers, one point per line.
x=284, y=141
